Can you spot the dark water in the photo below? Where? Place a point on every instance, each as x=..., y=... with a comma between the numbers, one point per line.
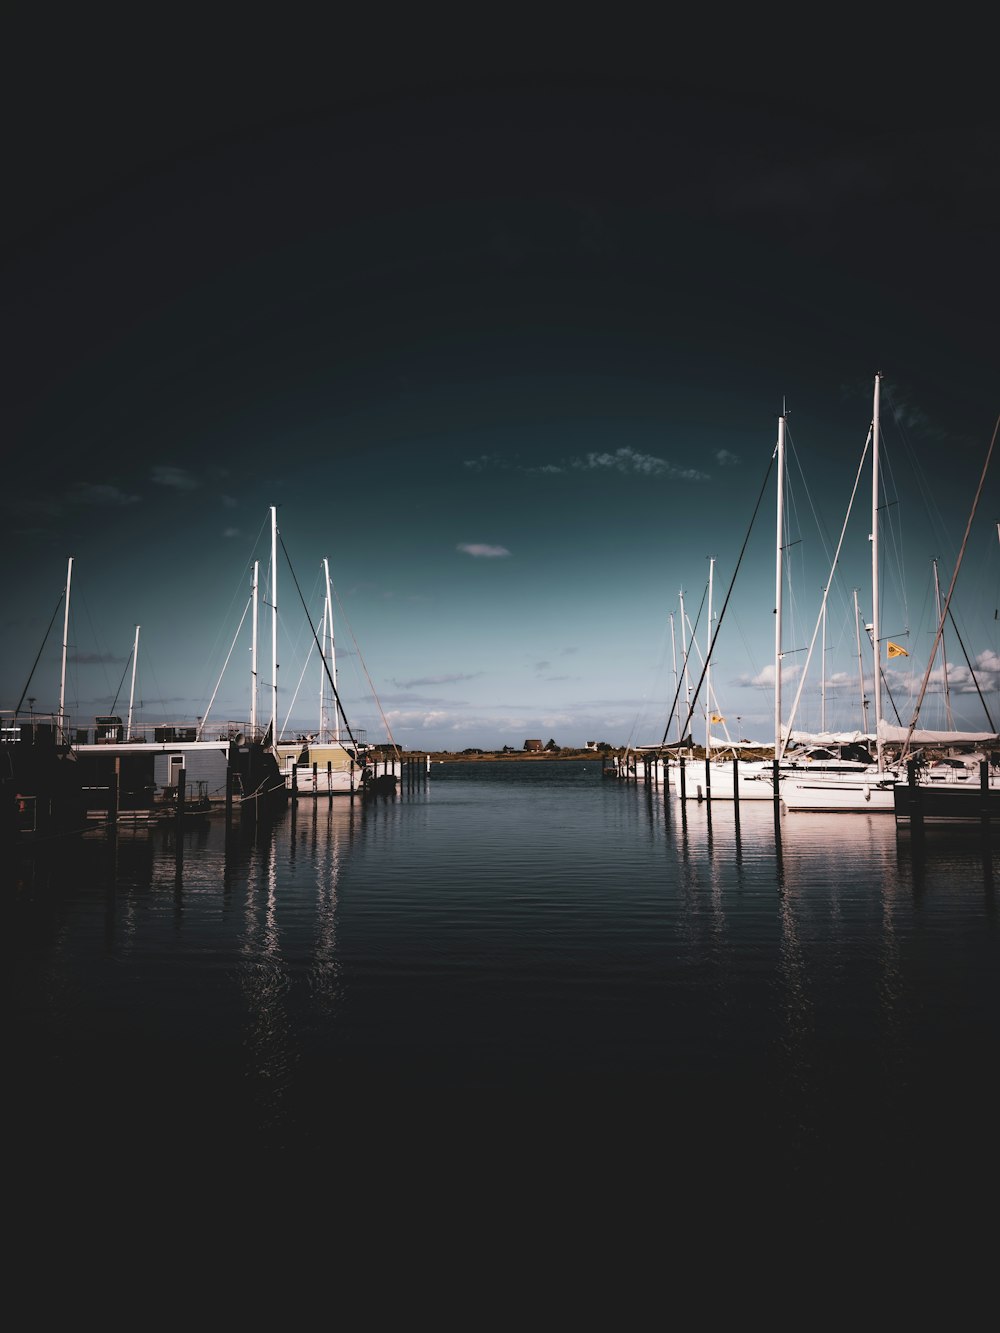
x=515, y=963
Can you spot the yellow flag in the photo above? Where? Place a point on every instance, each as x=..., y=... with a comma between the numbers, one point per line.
x=896, y=651
x=717, y=717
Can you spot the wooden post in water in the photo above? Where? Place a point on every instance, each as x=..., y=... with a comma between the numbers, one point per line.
x=114, y=793
x=181, y=784
x=916, y=810
x=683, y=778
x=708, y=775
x=295, y=782
x=984, y=789
x=229, y=791
x=329, y=781
x=736, y=790
x=774, y=779
x=315, y=778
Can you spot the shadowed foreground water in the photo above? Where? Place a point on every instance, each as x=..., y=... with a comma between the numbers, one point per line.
x=516, y=963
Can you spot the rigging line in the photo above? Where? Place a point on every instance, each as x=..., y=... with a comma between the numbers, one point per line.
x=729, y=593
x=326, y=666
x=951, y=589
x=826, y=594
x=302, y=676
x=41, y=650
x=211, y=701
x=640, y=711
x=683, y=673
x=128, y=659
x=385, y=721
x=971, y=671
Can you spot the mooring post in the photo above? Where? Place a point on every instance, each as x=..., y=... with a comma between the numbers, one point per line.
x=683, y=778
x=114, y=792
x=315, y=778
x=708, y=777
x=774, y=779
x=984, y=789
x=736, y=790
x=329, y=781
x=295, y=781
x=181, y=783
x=913, y=798
x=229, y=792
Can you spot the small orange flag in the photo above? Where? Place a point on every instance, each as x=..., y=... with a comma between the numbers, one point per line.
x=896, y=651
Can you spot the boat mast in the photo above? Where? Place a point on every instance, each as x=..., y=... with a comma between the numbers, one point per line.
x=708, y=665
x=253, y=652
x=861, y=665
x=131, y=696
x=333, y=659
x=324, y=721
x=65, y=647
x=274, y=625
x=673, y=651
x=822, y=672
x=778, y=580
x=875, y=605
x=944, y=651
x=684, y=649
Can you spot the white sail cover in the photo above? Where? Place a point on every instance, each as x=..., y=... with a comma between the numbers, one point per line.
x=890, y=735
x=826, y=737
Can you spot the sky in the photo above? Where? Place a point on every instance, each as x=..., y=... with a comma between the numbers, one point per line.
x=506, y=341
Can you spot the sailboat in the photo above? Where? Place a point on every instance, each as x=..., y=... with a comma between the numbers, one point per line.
x=869, y=788
x=958, y=787
x=333, y=760
x=41, y=794
x=753, y=779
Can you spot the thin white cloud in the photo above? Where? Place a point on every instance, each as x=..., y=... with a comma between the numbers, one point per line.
x=725, y=458
x=178, y=478
x=625, y=460
x=481, y=551
x=90, y=493
x=230, y=532
x=435, y=680
x=631, y=461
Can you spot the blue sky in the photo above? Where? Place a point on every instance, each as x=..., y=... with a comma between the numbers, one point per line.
x=510, y=353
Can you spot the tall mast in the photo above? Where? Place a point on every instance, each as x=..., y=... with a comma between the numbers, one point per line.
x=274, y=625
x=944, y=651
x=778, y=581
x=333, y=660
x=324, y=721
x=65, y=648
x=876, y=646
x=861, y=665
x=822, y=672
x=253, y=651
x=708, y=665
x=673, y=653
x=131, y=696
x=684, y=649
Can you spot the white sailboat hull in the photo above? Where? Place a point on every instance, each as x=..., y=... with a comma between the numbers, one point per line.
x=847, y=793
x=753, y=781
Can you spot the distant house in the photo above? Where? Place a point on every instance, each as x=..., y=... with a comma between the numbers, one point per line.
x=591, y=745
x=532, y=746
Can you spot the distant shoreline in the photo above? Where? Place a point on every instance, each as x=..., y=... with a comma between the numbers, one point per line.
x=444, y=757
